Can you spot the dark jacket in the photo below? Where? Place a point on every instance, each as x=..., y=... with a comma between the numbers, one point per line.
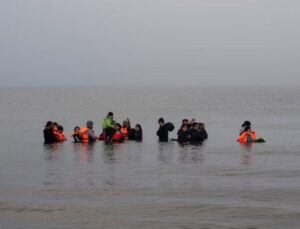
x=163, y=133
x=204, y=134
x=183, y=137
x=196, y=135
x=138, y=136
x=49, y=136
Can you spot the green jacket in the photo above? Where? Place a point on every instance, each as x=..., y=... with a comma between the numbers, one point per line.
x=107, y=122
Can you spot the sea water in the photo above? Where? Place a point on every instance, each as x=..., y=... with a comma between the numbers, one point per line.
x=219, y=184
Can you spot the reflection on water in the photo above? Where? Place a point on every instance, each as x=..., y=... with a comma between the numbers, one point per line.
x=84, y=152
x=52, y=151
x=109, y=153
x=53, y=176
x=191, y=154
x=246, y=154
x=165, y=152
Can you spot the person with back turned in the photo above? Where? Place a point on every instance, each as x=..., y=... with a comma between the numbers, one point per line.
x=163, y=131
x=87, y=133
x=108, y=127
x=247, y=135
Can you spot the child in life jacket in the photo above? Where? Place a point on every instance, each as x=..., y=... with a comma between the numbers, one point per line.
x=247, y=136
x=76, y=135
x=55, y=130
x=118, y=136
x=61, y=135
x=126, y=128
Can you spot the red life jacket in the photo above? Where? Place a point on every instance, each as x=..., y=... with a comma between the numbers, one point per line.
x=118, y=137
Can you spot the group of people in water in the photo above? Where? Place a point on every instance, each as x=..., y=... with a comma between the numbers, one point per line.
x=112, y=132
x=190, y=132
x=53, y=132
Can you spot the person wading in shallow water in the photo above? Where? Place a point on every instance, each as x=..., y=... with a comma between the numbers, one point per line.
x=163, y=131
x=108, y=127
x=49, y=135
x=247, y=136
x=87, y=133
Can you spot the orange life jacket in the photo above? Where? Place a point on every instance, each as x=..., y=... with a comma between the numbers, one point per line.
x=84, y=134
x=124, y=131
x=247, y=137
x=61, y=137
x=55, y=131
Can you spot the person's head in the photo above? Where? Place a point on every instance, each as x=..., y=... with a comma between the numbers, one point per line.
x=60, y=129
x=118, y=126
x=138, y=128
x=161, y=121
x=49, y=124
x=247, y=128
x=125, y=123
x=89, y=124
x=197, y=126
x=246, y=123
x=76, y=129
x=201, y=125
x=185, y=121
x=110, y=115
x=192, y=121
x=55, y=124
x=184, y=127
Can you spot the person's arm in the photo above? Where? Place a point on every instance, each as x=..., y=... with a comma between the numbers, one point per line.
x=128, y=125
x=254, y=136
x=92, y=135
x=158, y=132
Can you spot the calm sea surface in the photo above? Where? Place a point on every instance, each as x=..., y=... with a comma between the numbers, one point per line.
x=219, y=184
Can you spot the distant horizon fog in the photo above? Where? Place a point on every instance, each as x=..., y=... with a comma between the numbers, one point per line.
x=209, y=43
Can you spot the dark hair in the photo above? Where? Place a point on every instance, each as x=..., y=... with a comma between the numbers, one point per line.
x=49, y=123
x=89, y=123
x=184, y=125
x=184, y=120
x=119, y=125
x=161, y=120
x=246, y=123
x=76, y=127
x=55, y=124
x=110, y=114
x=138, y=135
x=60, y=128
x=140, y=127
x=247, y=128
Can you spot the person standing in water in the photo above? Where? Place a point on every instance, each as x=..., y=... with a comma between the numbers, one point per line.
x=49, y=135
x=126, y=128
x=87, y=133
x=108, y=126
x=163, y=130
x=247, y=135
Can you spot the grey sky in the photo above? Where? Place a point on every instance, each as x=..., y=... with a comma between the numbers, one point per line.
x=199, y=42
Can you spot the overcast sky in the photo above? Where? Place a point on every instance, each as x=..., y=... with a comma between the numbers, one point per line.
x=149, y=42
